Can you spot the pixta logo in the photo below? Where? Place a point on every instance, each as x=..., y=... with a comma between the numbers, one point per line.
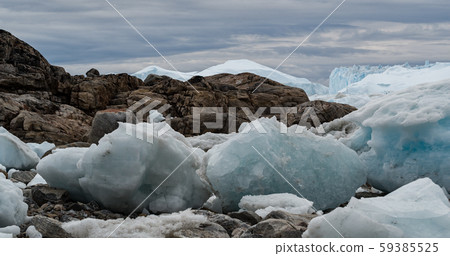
x=143, y=119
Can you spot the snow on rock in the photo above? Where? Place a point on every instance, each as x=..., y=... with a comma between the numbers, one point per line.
x=123, y=170
x=60, y=170
x=207, y=140
x=265, y=204
x=322, y=169
x=14, y=153
x=13, y=211
x=9, y=232
x=37, y=180
x=2, y=168
x=237, y=67
x=142, y=227
x=418, y=209
x=41, y=149
x=405, y=136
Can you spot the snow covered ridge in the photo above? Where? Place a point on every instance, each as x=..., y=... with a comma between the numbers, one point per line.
x=404, y=136
x=419, y=209
x=236, y=67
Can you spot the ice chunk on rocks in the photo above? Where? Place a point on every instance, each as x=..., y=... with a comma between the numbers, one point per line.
x=265, y=204
x=13, y=211
x=322, y=169
x=418, y=209
x=41, y=149
x=14, y=153
x=60, y=170
x=405, y=136
x=124, y=172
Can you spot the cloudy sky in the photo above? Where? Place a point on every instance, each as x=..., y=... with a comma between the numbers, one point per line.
x=194, y=35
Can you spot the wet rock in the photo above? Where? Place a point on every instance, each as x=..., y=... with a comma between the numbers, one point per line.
x=246, y=216
x=205, y=230
x=274, y=228
x=49, y=228
x=44, y=194
x=23, y=176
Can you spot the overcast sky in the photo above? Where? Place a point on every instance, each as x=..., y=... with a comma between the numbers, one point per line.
x=194, y=35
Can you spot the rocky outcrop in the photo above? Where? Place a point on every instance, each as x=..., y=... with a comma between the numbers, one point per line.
x=41, y=102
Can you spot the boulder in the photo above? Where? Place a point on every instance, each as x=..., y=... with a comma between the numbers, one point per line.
x=246, y=216
x=92, y=73
x=49, y=228
x=23, y=176
x=105, y=122
x=44, y=194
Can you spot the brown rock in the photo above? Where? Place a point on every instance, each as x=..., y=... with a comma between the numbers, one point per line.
x=45, y=194
x=49, y=228
x=205, y=230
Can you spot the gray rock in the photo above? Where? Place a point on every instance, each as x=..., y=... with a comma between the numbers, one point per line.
x=298, y=220
x=274, y=228
x=44, y=194
x=205, y=230
x=49, y=228
x=92, y=73
x=23, y=176
x=105, y=122
x=228, y=223
x=246, y=216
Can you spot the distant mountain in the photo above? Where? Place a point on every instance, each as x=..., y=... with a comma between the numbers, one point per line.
x=236, y=67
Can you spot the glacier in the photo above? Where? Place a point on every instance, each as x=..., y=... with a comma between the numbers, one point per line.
x=404, y=136
x=237, y=67
x=418, y=209
x=14, y=153
x=124, y=173
x=13, y=211
x=322, y=169
x=342, y=77
x=358, y=85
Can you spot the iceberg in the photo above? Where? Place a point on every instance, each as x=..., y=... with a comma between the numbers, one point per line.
x=155, y=70
x=342, y=77
x=126, y=173
x=13, y=211
x=240, y=66
x=14, y=153
x=358, y=85
x=265, y=204
x=418, y=209
x=404, y=136
x=321, y=169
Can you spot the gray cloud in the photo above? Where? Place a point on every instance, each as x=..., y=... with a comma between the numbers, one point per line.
x=196, y=34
